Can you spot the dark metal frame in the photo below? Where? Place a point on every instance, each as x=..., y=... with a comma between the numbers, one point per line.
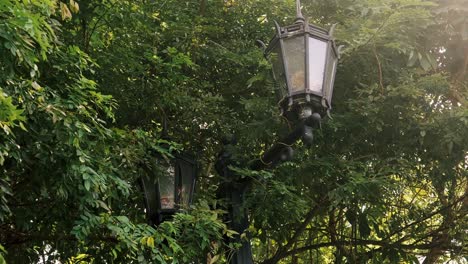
x=151, y=189
x=293, y=103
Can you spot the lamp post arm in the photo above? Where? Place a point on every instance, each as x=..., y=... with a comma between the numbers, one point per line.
x=282, y=150
x=234, y=189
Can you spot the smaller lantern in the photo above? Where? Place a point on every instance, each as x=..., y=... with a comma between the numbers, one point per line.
x=304, y=59
x=168, y=187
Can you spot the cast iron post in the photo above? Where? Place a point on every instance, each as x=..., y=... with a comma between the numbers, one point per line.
x=233, y=189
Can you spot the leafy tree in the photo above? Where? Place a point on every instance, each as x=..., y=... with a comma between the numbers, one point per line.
x=89, y=88
x=68, y=187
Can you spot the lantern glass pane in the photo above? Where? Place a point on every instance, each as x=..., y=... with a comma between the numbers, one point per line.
x=331, y=69
x=316, y=64
x=278, y=71
x=167, y=188
x=151, y=198
x=187, y=177
x=295, y=57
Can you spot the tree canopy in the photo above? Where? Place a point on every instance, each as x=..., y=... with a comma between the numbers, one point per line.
x=91, y=91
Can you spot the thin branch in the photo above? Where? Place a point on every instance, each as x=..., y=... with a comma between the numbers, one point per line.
x=360, y=242
x=426, y=217
x=380, y=69
x=384, y=23
x=97, y=22
x=202, y=10
x=462, y=73
x=298, y=232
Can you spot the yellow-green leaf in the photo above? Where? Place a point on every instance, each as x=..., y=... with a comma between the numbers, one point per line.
x=74, y=6
x=150, y=242
x=65, y=12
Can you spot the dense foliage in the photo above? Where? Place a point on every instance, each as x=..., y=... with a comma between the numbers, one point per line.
x=87, y=88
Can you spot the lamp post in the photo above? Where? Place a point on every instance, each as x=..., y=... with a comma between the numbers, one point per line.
x=168, y=186
x=304, y=59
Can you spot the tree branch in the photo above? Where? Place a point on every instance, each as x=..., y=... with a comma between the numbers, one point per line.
x=361, y=242
x=374, y=50
x=298, y=232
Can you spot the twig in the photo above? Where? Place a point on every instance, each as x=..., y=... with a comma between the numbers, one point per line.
x=282, y=250
x=380, y=69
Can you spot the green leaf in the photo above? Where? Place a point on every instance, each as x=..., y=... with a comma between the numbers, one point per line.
x=412, y=59
x=87, y=185
x=425, y=64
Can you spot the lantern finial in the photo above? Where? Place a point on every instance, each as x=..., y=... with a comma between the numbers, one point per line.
x=299, y=17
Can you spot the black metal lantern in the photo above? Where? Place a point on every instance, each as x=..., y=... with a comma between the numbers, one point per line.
x=304, y=59
x=168, y=187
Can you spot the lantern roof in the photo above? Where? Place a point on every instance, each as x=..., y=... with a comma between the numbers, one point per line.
x=299, y=27
x=299, y=17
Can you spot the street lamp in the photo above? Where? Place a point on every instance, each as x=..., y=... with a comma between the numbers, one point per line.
x=304, y=59
x=168, y=186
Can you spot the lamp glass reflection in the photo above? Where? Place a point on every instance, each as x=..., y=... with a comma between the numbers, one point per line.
x=167, y=187
x=278, y=71
x=295, y=61
x=331, y=70
x=316, y=67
